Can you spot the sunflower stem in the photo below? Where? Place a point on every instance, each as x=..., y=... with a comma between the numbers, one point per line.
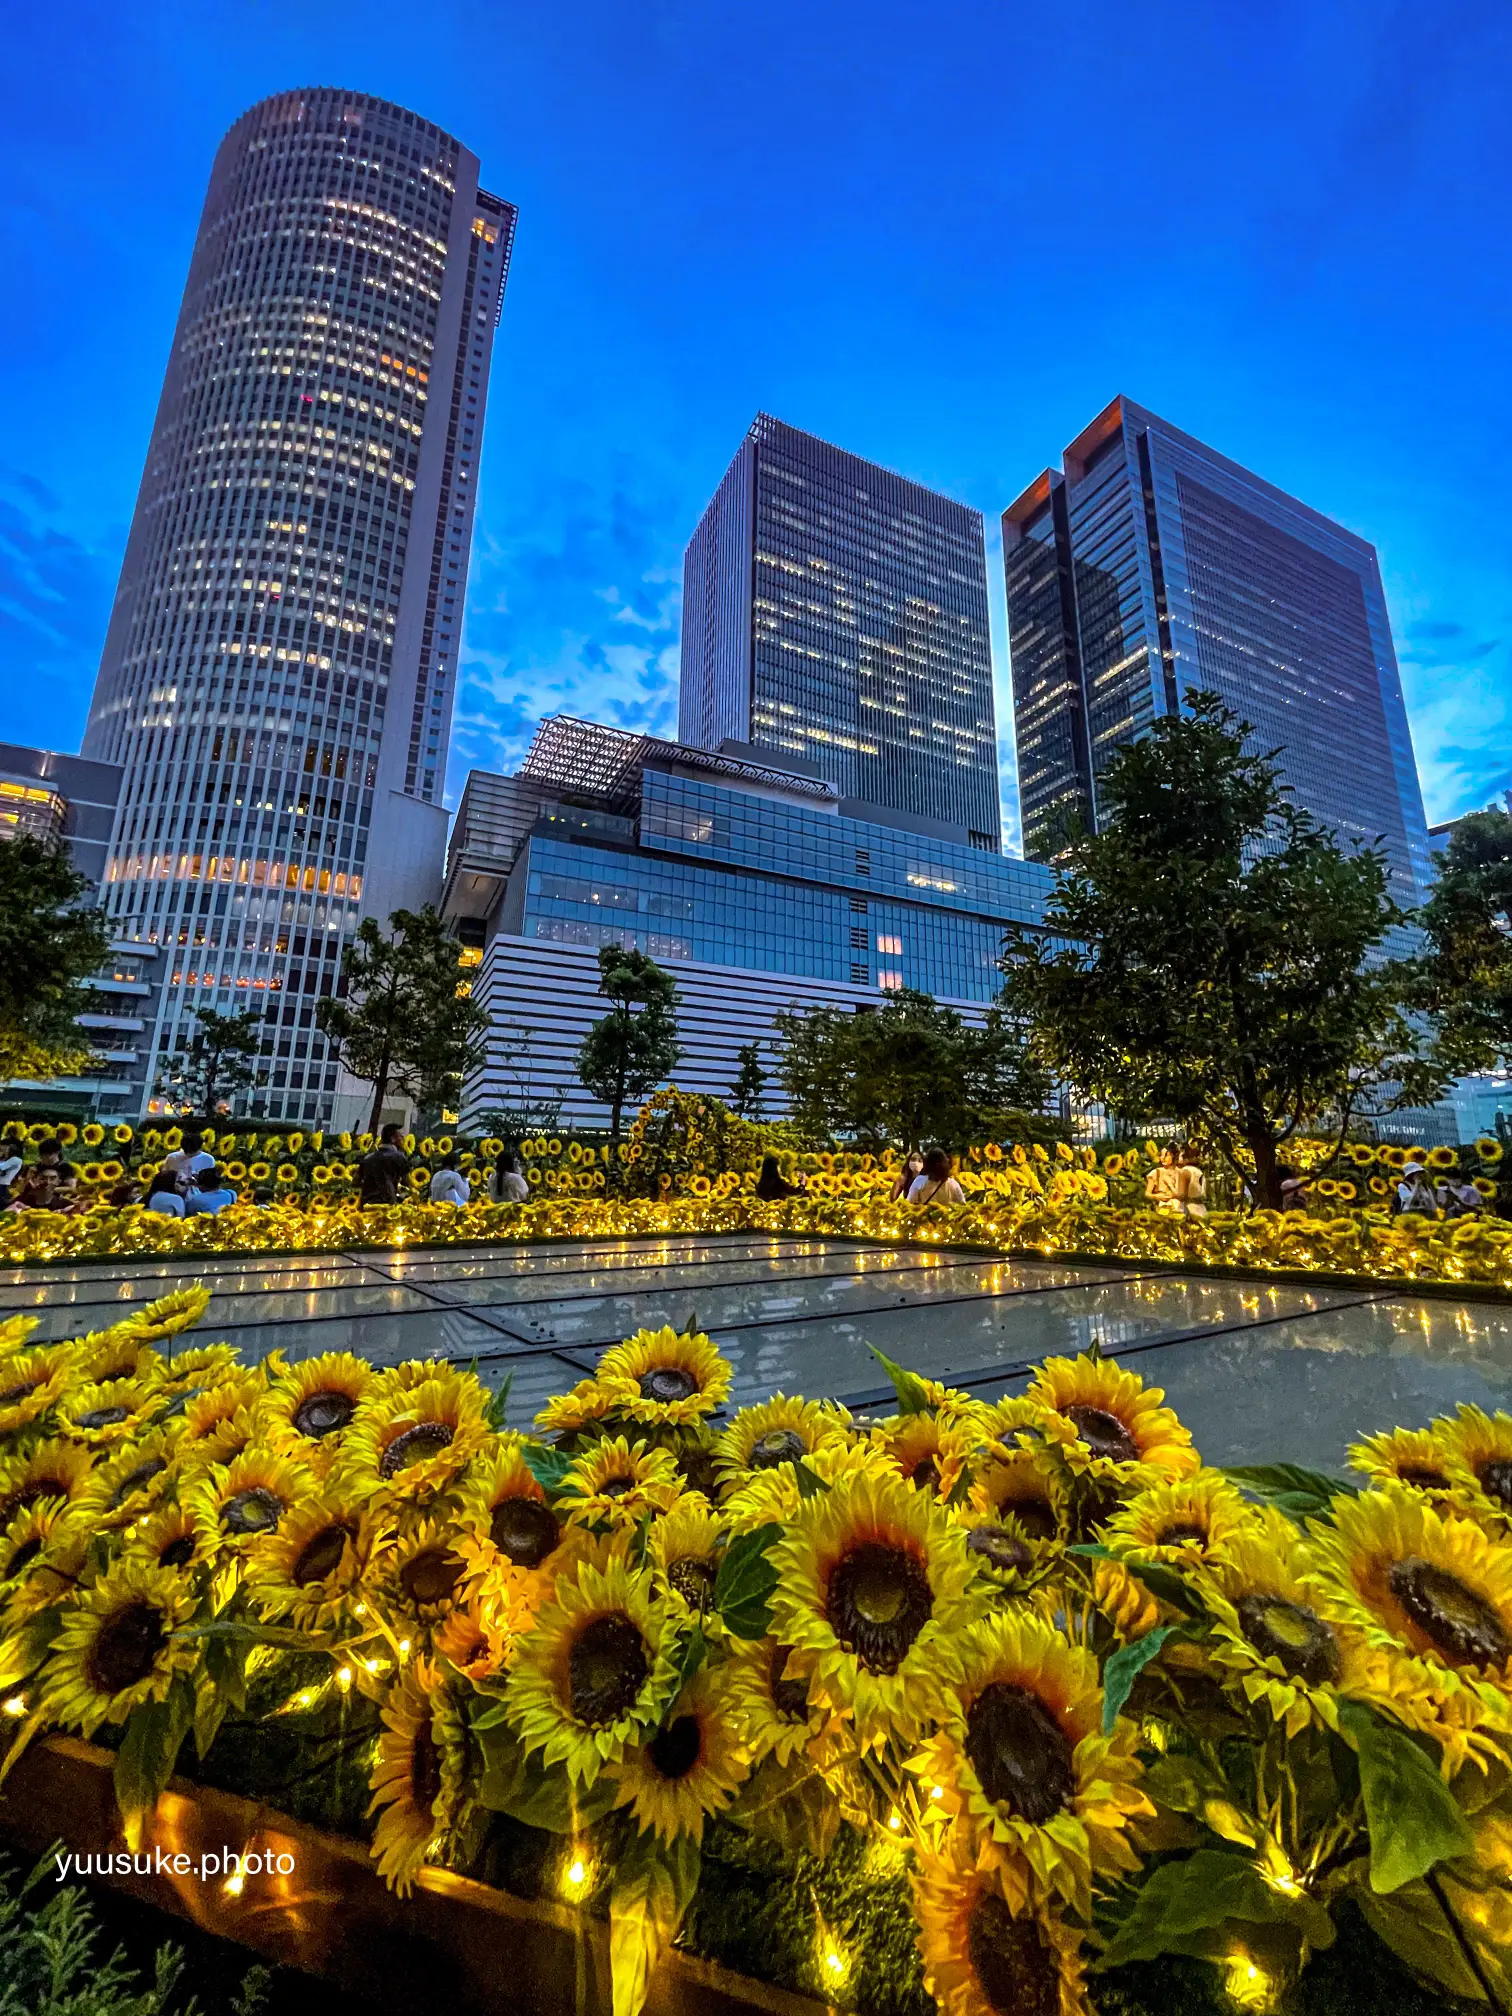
x=1472, y=1958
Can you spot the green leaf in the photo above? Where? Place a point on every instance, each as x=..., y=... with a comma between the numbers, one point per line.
x=690, y=1657
x=1159, y=1580
x=549, y=1467
x=1124, y=1668
x=1412, y=1924
x=1187, y=1906
x=1411, y=1813
x=653, y=1886
x=743, y=1587
x=1184, y=1783
x=1300, y=1494
x=496, y=1413
x=791, y=1805
x=516, y=1783
x=149, y=1750
x=810, y=1483
x=909, y=1387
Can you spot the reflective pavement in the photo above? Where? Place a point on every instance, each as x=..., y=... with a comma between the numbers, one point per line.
x=1261, y=1370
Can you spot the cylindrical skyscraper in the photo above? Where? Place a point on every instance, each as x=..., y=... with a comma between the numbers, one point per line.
x=278, y=674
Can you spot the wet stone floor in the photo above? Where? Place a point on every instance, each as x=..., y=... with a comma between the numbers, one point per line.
x=1261, y=1370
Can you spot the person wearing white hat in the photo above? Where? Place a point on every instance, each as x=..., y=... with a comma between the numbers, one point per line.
x=1415, y=1192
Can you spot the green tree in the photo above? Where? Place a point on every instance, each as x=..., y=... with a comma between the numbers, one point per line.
x=50, y=945
x=906, y=1071
x=405, y=1021
x=634, y=1047
x=747, y=1092
x=1224, y=970
x=219, y=1062
x=1464, y=980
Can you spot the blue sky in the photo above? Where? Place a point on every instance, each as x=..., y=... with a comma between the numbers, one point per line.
x=942, y=234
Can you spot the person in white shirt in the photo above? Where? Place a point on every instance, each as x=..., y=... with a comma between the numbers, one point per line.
x=937, y=1185
x=510, y=1186
x=208, y=1194
x=1414, y=1193
x=186, y=1163
x=449, y=1185
x=164, y=1196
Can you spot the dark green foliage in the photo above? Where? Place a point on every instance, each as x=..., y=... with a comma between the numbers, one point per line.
x=634, y=1047
x=1465, y=979
x=49, y=947
x=750, y=1082
x=907, y=1072
x=1217, y=972
x=310, y=1763
x=217, y=1064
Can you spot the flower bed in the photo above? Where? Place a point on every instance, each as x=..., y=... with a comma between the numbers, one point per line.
x=1011, y=1705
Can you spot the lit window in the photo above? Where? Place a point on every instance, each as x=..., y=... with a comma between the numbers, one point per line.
x=889, y=982
x=887, y=943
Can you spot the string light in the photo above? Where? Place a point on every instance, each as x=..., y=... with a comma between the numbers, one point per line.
x=577, y=1878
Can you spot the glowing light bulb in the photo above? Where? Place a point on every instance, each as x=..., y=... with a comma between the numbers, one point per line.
x=895, y=1821
x=577, y=1879
x=344, y=1678
x=234, y=1885
x=16, y=1705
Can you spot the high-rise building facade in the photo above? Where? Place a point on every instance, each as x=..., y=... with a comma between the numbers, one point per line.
x=278, y=676
x=837, y=613
x=1150, y=566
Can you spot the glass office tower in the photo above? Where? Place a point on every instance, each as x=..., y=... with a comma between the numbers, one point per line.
x=837, y=613
x=278, y=676
x=1150, y=566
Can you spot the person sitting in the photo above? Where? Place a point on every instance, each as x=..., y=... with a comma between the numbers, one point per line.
x=11, y=1163
x=908, y=1175
x=125, y=1193
x=208, y=1194
x=449, y=1185
x=165, y=1196
x=50, y=1156
x=1414, y=1193
x=771, y=1185
x=1458, y=1197
x=510, y=1186
x=187, y=1162
x=1293, y=1190
x=937, y=1183
x=38, y=1191
x=1163, y=1184
x=380, y=1174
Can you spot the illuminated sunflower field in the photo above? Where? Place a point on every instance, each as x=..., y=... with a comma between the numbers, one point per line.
x=1007, y=1709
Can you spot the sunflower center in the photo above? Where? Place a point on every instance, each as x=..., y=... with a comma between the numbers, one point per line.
x=1012, y=1960
x=524, y=1530
x=697, y=1469
x=1460, y=1623
x=415, y=1445
x=999, y=1547
x=137, y=1480
x=126, y=1649
x=425, y=1772
x=321, y=1554
x=879, y=1601
x=1020, y=1753
x=1295, y=1635
x=1179, y=1532
x=14, y=1393
x=1103, y=1433
x=615, y=1487
x=776, y=1447
x=606, y=1669
x=255, y=1510
x=26, y=1495
x=1496, y=1478
x=789, y=1697
x=178, y=1553
x=925, y=1476
x=694, y=1581
x=103, y=1417
x=666, y=1384
x=324, y=1413
x=1420, y=1475
x=24, y=1555
x=1035, y=1515
x=677, y=1748
x=430, y=1576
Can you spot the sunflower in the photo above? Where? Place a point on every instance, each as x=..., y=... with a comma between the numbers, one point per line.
x=931, y=1452
x=768, y=1496
x=1480, y=1450
x=417, y=1778
x=689, y=1768
x=1438, y=1586
x=596, y=1671
x=26, y=1536
x=312, y=1403
x=1106, y=1423
x=310, y=1567
x=664, y=1376
x=1488, y=1148
x=53, y=1472
x=1020, y=1752
x=872, y=1594
x=769, y=1701
x=102, y=1414
x=982, y=1956
x=1179, y=1524
x=420, y=1578
x=235, y=1503
x=31, y=1384
x=617, y=1482
x=684, y=1554
x=117, y=1647
x=168, y=1538
x=1020, y=1483
x=570, y=1413
x=176, y=1311
x=197, y=1368
x=130, y=1481
x=475, y=1638
x=412, y=1444
x=1276, y=1632
x=220, y=1422
x=1416, y=1457
x=780, y=1431
x=507, y=1532
x=14, y=1332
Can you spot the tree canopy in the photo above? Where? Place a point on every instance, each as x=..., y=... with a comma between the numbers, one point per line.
x=218, y=1063
x=905, y=1072
x=749, y=1088
x=629, y=1051
x=1224, y=968
x=405, y=1022
x=50, y=946
x=1464, y=979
